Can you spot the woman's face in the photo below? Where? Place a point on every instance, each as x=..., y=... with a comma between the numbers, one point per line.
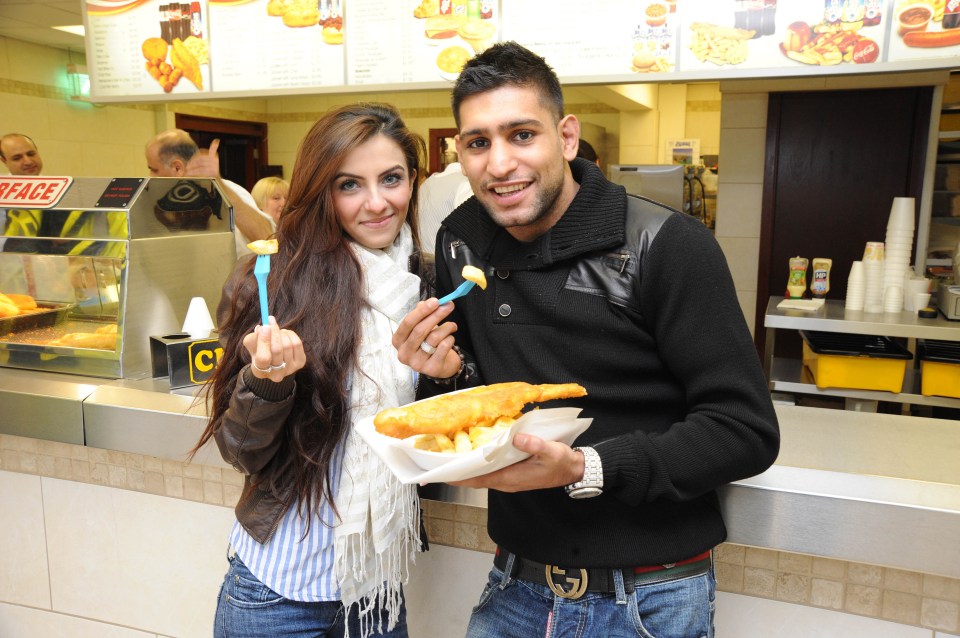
x=275, y=203
x=371, y=192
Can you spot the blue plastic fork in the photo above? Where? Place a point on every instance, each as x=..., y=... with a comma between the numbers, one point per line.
x=260, y=270
x=460, y=291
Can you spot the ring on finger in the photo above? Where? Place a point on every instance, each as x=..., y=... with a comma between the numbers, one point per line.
x=261, y=370
x=283, y=364
x=426, y=347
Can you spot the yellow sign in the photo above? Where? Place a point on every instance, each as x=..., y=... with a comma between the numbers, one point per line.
x=204, y=355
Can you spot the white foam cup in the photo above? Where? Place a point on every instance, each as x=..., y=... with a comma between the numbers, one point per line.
x=198, y=322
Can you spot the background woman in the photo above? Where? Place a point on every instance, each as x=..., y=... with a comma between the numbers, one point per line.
x=270, y=193
x=284, y=399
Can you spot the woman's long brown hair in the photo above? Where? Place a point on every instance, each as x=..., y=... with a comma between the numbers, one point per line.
x=316, y=290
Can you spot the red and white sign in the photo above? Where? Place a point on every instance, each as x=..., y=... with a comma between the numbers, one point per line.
x=32, y=192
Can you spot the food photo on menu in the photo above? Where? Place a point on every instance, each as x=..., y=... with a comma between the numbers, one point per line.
x=771, y=34
x=458, y=29
x=299, y=14
x=147, y=48
x=654, y=38
x=925, y=29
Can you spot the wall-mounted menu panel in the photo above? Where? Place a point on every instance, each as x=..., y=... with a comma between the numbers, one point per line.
x=152, y=49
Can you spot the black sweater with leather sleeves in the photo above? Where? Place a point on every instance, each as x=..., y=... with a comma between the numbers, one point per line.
x=643, y=313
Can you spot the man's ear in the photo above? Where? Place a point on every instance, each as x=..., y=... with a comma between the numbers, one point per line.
x=179, y=167
x=569, y=129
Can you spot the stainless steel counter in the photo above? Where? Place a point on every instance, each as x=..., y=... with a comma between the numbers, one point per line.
x=875, y=488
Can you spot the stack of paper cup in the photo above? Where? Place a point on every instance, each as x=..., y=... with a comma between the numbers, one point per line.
x=873, y=277
x=916, y=292
x=856, y=287
x=897, y=247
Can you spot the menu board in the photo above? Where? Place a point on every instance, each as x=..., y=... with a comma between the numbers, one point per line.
x=395, y=42
x=276, y=45
x=152, y=49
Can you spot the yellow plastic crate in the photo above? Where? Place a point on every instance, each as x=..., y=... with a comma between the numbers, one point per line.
x=859, y=362
x=939, y=368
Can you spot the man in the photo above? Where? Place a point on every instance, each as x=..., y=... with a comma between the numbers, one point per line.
x=439, y=195
x=20, y=155
x=173, y=153
x=635, y=302
x=587, y=152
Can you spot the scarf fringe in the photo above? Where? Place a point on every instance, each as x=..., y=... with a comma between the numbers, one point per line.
x=379, y=534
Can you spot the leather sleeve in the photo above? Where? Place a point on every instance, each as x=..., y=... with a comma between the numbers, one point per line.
x=250, y=431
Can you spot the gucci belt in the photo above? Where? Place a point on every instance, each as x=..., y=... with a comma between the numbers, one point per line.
x=572, y=583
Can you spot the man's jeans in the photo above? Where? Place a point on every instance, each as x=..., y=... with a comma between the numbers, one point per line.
x=682, y=608
x=246, y=608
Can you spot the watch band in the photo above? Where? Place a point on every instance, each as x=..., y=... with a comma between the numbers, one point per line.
x=592, y=482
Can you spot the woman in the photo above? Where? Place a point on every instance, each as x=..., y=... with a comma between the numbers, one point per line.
x=284, y=400
x=270, y=193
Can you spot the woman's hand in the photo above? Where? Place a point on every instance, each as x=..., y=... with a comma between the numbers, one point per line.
x=275, y=353
x=425, y=344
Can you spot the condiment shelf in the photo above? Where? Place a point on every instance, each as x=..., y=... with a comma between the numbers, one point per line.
x=833, y=317
x=788, y=375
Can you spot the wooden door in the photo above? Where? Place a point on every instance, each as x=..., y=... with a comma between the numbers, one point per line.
x=243, y=145
x=834, y=162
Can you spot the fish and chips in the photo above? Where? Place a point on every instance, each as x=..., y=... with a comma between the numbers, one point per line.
x=463, y=421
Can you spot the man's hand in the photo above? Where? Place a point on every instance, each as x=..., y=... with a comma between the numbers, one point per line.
x=551, y=464
x=249, y=220
x=205, y=164
x=421, y=325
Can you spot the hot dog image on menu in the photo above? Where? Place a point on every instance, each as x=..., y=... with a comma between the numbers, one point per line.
x=928, y=24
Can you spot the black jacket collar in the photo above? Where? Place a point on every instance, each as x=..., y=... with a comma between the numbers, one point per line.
x=594, y=221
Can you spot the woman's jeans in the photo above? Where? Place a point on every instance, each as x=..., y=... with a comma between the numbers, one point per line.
x=681, y=608
x=246, y=608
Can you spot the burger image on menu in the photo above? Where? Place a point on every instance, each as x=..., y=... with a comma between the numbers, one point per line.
x=440, y=28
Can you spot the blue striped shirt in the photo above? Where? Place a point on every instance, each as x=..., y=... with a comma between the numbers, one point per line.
x=295, y=566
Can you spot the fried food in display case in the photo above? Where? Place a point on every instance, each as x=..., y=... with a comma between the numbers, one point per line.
x=85, y=282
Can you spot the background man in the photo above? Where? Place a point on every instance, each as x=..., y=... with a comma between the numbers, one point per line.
x=173, y=153
x=439, y=195
x=613, y=537
x=20, y=155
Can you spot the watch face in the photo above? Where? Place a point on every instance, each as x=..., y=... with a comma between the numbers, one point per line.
x=585, y=492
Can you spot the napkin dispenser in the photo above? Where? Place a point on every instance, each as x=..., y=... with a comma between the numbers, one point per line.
x=948, y=300
x=184, y=359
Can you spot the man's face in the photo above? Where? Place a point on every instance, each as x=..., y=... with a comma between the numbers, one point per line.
x=515, y=155
x=21, y=156
x=158, y=168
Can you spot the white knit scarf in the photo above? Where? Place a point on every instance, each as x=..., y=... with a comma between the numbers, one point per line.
x=379, y=533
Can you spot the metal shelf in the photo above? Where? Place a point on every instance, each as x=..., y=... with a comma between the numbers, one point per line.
x=833, y=317
x=789, y=375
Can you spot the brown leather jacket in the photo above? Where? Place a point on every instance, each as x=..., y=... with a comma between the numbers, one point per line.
x=249, y=433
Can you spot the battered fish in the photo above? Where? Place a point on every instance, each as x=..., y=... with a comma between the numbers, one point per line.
x=448, y=413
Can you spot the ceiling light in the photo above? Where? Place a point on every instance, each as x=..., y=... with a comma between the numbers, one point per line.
x=76, y=29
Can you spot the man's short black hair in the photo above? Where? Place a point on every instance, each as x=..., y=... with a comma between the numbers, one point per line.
x=586, y=151
x=508, y=64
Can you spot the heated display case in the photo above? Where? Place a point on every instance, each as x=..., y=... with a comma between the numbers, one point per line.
x=113, y=262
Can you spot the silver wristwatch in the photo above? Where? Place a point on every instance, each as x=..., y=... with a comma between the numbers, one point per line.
x=592, y=482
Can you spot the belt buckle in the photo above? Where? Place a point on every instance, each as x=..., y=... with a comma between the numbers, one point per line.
x=578, y=586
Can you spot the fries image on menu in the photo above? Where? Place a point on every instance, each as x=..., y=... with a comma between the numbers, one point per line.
x=185, y=58
x=719, y=45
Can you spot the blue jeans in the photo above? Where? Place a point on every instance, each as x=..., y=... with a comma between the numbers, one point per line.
x=246, y=608
x=681, y=608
